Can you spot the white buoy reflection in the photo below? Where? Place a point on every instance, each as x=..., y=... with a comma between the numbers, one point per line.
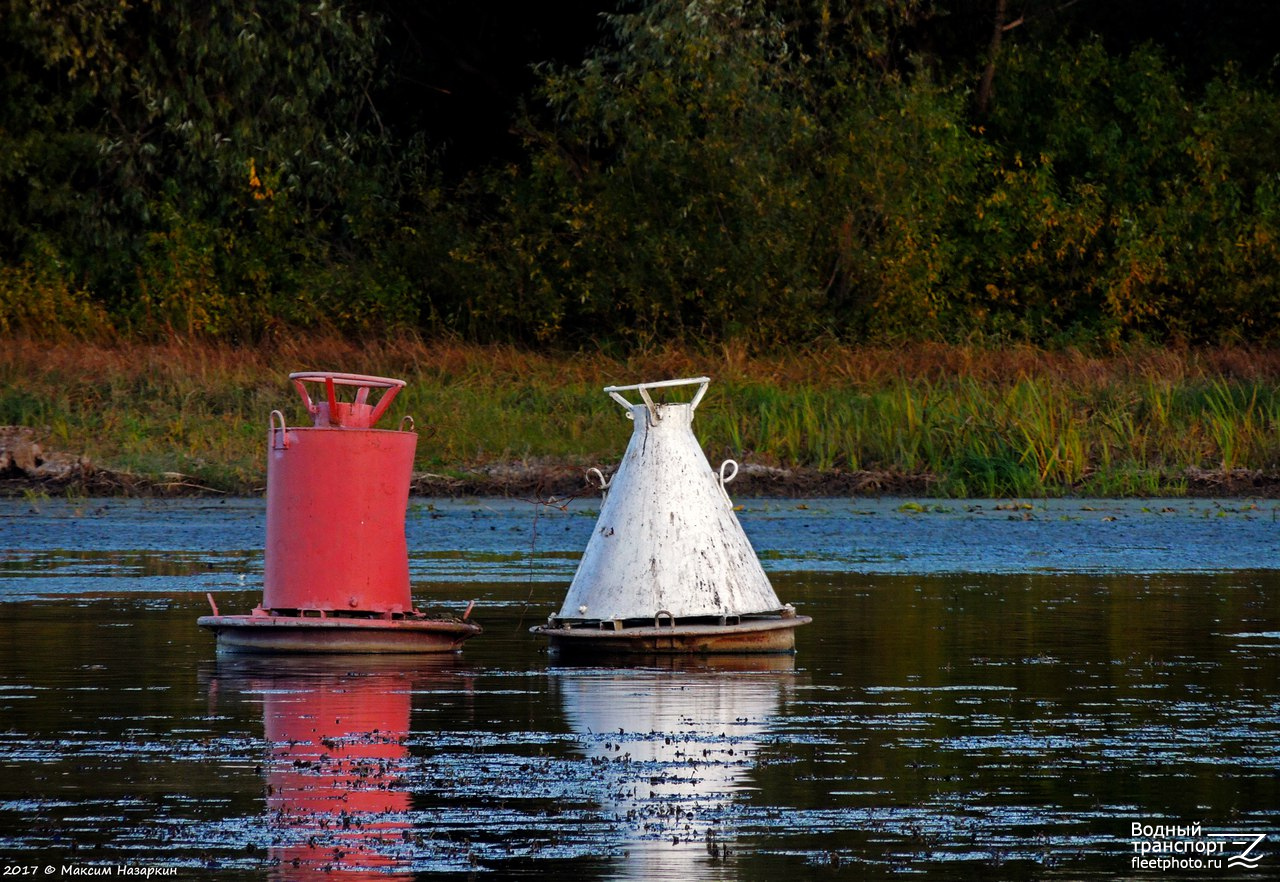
x=673, y=748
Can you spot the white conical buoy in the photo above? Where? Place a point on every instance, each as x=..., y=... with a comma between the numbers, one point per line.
x=668, y=555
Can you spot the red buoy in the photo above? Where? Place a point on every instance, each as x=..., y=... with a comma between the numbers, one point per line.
x=337, y=566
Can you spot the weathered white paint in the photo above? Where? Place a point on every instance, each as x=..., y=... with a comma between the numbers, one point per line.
x=667, y=540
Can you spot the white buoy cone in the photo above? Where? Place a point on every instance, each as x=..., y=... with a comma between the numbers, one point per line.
x=667, y=543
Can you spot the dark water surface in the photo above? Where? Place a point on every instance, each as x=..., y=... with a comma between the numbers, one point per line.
x=985, y=692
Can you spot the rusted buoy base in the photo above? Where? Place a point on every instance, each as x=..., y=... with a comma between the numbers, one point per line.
x=766, y=635
x=302, y=635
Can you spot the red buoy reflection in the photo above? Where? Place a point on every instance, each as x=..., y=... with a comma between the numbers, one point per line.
x=337, y=731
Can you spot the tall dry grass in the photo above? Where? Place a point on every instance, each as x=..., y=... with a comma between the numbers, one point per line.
x=982, y=422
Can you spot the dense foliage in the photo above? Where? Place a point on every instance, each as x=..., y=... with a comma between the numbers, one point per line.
x=202, y=167
x=770, y=172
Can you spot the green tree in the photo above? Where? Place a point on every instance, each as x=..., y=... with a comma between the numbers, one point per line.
x=726, y=168
x=1121, y=201
x=201, y=166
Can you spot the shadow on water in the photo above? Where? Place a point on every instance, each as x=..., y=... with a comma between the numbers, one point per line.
x=952, y=725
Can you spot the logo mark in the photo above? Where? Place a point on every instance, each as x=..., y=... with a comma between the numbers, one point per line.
x=1247, y=858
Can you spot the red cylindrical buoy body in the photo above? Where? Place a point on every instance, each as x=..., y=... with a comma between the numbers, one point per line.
x=336, y=576
x=336, y=500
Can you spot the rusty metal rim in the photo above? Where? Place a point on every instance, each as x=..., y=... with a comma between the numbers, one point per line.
x=434, y=625
x=681, y=638
x=639, y=633
x=776, y=637
x=319, y=430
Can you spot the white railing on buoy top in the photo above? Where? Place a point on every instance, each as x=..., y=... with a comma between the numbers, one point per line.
x=615, y=392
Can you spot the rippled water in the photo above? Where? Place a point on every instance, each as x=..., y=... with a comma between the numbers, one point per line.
x=985, y=692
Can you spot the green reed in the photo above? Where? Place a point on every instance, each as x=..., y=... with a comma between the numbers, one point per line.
x=1032, y=436
x=993, y=424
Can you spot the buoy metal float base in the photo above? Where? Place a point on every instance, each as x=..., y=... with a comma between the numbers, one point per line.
x=753, y=635
x=287, y=634
x=263, y=632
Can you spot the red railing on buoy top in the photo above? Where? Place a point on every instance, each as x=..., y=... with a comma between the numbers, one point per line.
x=357, y=414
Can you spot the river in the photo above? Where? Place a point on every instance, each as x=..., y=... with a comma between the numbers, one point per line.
x=1042, y=689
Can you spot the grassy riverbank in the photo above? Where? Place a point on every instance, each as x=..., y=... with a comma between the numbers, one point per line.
x=944, y=421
